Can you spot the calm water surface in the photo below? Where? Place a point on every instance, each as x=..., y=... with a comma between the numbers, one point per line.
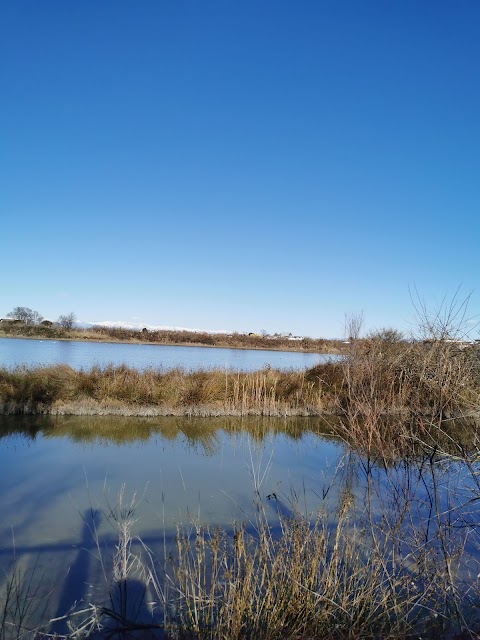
x=61, y=478
x=56, y=472
x=16, y=351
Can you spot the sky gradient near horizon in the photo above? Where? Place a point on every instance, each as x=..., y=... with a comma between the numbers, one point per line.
x=239, y=165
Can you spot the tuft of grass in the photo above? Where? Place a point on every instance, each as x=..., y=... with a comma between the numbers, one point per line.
x=21, y=605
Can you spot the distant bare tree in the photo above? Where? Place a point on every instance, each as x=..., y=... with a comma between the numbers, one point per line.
x=387, y=334
x=25, y=315
x=67, y=321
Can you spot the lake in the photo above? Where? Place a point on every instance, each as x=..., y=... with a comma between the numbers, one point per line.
x=61, y=479
x=83, y=355
x=56, y=472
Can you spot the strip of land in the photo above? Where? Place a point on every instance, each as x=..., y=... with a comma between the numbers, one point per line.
x=374, y=376
x=171, y=338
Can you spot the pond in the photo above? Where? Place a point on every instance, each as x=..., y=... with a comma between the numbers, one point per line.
x=62, y=478
x=50, y=467
x=56, y=472
x=16, y=352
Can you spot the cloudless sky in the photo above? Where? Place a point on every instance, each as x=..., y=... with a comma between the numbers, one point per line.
x=239, y=165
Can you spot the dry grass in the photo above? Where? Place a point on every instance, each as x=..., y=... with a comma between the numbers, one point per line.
x=312, y=581
x=117, y=388
x=417, y=386
x=424, y=382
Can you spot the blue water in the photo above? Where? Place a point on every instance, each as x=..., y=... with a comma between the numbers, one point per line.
x=185, y=466
x=83, y=355
x=62, y=478
x=59, y=473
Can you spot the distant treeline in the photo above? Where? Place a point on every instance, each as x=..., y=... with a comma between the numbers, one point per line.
x=234, y=340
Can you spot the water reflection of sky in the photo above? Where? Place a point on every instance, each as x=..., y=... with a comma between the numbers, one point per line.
x=61, y=475
x=49, y=479
x=79, y=355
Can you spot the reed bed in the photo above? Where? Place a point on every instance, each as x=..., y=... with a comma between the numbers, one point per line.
x=60, y=389
x=427, y=381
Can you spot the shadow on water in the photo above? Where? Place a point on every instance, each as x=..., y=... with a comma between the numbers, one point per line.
x=125, y=599
x=76, y=583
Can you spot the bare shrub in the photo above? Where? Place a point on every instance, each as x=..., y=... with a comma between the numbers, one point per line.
x=25, y=315
x=67, y=321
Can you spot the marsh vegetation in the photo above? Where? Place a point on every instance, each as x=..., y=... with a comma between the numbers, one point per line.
x=376, y=377
x=66, y=330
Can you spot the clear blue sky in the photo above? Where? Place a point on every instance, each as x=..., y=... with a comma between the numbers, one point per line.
x=240, y=165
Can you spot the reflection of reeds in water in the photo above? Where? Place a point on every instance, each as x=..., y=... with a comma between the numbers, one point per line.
x=386, y=437
x=120, y=429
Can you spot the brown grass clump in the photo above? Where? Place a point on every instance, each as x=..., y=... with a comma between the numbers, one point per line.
x=416, y=386
x=266, y=392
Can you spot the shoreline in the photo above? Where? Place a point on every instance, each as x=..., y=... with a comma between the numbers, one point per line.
x=94, y=408
x=89, y=407
x=106, y=340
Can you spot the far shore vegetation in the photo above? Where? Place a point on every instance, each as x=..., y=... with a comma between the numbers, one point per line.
x=23, y=322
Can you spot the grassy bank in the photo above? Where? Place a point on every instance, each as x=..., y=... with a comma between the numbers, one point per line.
x=374, y=378
x=176, y=338
x=124, y=391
